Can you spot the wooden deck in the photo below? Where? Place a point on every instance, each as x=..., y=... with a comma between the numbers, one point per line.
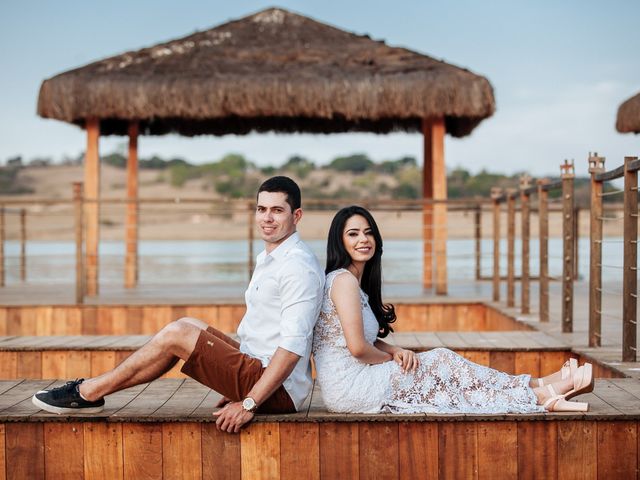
x=126, y=319
x=165, y=429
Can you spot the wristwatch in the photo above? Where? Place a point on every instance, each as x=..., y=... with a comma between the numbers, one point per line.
x=249, y=404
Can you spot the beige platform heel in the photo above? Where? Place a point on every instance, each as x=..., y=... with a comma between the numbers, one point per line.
x=559, y=403
x=582, y=381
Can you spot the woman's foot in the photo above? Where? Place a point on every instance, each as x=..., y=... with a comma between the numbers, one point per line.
x=559, y=403
x=555, y=397
x=566, y=371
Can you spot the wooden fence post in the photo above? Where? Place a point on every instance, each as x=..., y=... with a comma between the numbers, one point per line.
x=23, y=244
x=543, y=238
x=576, y=242
x=567, y=175
x=2, y=281
x=496, y=195
x=630, y=264
x=511, y=246
x=131, y=262
x=91, y=207
x=525, y=183
x=80, y=273
x=596, y=166
x=478, y=239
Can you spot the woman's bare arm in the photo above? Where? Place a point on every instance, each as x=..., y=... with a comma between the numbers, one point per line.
x=345, y=294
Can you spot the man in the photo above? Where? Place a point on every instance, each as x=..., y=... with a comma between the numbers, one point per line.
x=268, y=370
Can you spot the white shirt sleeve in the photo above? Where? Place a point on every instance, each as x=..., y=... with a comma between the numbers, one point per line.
x=301, y=294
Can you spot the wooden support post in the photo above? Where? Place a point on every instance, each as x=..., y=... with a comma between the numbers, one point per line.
x=478, y=239
x=568, y=175
x=596, y=165
x=92, y=206
x=525, y=183
x=576, y=242
x=543, y=233
x=23, y=245
x=131, y=236
x=2, y=274
x=511, y=246
x=80, y=273
x=630, y=264
x=434, y=186
x=250, y=226
x=496, y=194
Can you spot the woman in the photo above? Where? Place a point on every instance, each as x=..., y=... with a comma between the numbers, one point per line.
x=360, y=373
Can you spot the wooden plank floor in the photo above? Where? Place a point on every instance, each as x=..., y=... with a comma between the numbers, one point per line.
x=501, y=341
x=186, y=400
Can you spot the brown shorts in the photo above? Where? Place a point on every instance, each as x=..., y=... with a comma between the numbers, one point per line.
x=218, y=364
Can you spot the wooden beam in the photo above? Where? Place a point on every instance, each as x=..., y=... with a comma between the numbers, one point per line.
x=568, y=175
x=524, y=217
x=543, y=237
x=92, y=207
x=2, y=235
x=630, y=263
x=511, y=246
x=131, y=236
x=434, y=187
x=80, y=273
x=496, y=193
x=596, y=166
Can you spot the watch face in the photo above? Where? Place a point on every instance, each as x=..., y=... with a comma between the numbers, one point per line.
x=249, y=404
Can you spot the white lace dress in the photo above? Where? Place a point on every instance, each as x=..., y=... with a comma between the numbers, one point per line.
x=444, y=382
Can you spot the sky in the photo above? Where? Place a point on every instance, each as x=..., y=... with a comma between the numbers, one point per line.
x=559, y=70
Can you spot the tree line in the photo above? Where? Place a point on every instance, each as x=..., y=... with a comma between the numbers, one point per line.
x=234, y=176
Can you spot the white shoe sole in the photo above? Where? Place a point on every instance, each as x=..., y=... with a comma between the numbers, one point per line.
x=60, y=410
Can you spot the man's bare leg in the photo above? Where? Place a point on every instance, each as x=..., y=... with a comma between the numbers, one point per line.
x=175, y=341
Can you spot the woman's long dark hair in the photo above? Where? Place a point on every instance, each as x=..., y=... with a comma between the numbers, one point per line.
x=371, y=284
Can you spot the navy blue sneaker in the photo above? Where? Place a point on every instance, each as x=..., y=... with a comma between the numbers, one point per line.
x=66, y=399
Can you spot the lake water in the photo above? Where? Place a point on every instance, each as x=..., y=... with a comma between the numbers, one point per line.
x=164, y=262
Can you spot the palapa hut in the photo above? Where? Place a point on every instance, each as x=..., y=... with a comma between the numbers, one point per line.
x=629, y=116
x=271, y=71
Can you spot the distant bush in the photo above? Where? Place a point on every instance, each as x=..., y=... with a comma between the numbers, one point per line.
x=392, y=166
x=357, y=163
x=9, y=183
x=299, y=166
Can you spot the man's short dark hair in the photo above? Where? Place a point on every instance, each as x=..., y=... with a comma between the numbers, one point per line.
x=284, y=185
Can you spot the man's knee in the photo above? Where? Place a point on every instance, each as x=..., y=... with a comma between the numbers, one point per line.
x=178, y=337
x=171, y=332
x=193, y=321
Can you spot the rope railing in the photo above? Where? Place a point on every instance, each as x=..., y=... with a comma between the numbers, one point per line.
x=629, y=172
x=570, y=229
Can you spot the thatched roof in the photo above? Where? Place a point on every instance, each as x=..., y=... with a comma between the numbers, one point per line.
x=629, y=116
x=271, y=71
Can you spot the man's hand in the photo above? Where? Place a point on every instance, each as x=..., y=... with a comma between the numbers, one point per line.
x=232, y=417
x=222, y=402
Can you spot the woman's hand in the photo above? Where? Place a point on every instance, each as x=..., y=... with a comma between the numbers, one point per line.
x=407, y=360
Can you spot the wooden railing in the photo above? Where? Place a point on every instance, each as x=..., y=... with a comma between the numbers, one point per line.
x=628, y=171
x=21, y=213
x=570, y=214
x=569, y=234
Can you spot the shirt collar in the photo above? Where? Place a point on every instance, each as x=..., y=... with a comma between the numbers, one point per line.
x=281, y=250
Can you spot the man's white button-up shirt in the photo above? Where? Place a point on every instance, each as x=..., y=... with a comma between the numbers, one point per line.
x=283, y=303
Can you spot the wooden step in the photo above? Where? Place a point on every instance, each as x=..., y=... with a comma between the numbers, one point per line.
x=165, y=430
x=148, y=319
x=83, y=356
